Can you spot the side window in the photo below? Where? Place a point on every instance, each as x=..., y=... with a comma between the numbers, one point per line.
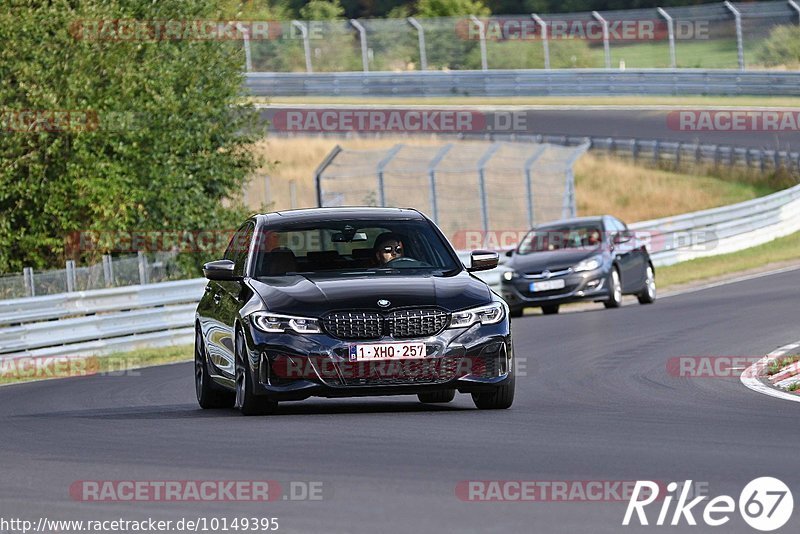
x=239, y=247
x=613, y=227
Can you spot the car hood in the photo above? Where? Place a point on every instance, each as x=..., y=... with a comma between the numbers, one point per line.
x=554, y=260
x=314, y=295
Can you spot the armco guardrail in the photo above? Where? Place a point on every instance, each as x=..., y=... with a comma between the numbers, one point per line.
x=119, y=319
x=593, y=82
x=100, y=321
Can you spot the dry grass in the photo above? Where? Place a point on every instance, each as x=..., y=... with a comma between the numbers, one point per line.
x=603, y=184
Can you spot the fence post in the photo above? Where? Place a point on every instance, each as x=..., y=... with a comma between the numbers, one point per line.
x=30, y=287
x=529, y=182
x=678, y=156
x=656, y=153
x=569, y=209
x=306, y=45
x=606, y=48
x=482, y=36
x=635, y=150
x=70, y=276
x=363, y=38
x=248, y=58
x=379, y=170
x=432, y=179
x=482, y=183
x=545, y=43
x=423, y=56
x=108, y=270
x=671, y=32
x=318, y=173
x=796, y=7
x=142, y=267
x=293, y=193
x=739, y=45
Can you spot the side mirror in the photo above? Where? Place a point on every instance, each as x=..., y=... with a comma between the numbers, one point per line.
x=509, y=253
x=483, y=260
x=622, y=237
x=220, y=270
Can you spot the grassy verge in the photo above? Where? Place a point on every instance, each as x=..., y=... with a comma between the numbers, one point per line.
x=779, y=250
x=28, y=369
x=622, y=100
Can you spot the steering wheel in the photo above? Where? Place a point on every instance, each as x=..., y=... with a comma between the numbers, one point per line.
x=402, y=259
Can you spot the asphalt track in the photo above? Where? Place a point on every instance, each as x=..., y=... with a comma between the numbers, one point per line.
x=632, y=122
x=595, y=403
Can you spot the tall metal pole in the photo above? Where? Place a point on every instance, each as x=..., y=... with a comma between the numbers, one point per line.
x=432, y=179
x=248, y=58
x=381, y=166
x=363, y=37
x=545, y=42
x=529, y=182
x=482, y=35
x=671, y=29
x=306, y=44
x=796, y=7
x=739, y=44
x=423, y=56
x=318, y=173
x=482, y=183
x=606, y=47
x=569, y=209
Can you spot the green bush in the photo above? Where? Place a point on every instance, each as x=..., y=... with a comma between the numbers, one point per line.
x=177, y=161
x=782, y=47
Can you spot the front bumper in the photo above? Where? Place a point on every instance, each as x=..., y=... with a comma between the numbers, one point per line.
x=588, y=285
x=291, y=366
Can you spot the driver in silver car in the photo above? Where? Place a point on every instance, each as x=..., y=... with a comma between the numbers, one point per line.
x=388, y=247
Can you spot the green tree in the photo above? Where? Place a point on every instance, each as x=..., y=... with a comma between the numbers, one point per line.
x=782, y=47
x=451, y=8
x=322, y=10
x=169, y=149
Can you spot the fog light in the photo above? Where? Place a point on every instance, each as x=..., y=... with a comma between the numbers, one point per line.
x=592, y=284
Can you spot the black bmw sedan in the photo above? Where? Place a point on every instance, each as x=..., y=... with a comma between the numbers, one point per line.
x=582, y=259
x=341, y=302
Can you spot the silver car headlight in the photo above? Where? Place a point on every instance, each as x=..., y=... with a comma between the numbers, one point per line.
x=491, y=314
x=275, y=323
x=589, y=264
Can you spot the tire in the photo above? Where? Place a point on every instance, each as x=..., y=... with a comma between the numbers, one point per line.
x=515, y=312
x=209, y=394
x=500, y=399
x=648, y=294
x=246, y=401
x=437, y=397
x=550, y=309
x=615, y=290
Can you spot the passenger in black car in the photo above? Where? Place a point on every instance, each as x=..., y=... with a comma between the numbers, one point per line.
x=388, y=247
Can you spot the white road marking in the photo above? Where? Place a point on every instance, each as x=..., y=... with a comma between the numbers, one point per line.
x=749, y=380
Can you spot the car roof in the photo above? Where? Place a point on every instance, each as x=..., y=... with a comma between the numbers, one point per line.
x=598, y=219
x=341, y=213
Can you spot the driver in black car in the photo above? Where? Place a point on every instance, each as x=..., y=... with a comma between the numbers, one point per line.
x=388, y=247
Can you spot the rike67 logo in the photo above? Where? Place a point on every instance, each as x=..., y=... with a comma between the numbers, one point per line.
x=765, y=504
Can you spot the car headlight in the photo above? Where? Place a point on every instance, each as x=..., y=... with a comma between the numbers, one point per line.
x=509, y=275
x=274, y=323
x=491, y=314
x=589, y=264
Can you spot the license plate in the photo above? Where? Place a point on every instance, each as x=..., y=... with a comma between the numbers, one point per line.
x=547, y=285
x=386, y=351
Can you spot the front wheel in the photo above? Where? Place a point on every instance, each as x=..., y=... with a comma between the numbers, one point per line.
x=550, y=309
x=500, y=399
x=648, y=294
x=437, y=397
x=247, y=401
x=209, y=394
x=614, y=290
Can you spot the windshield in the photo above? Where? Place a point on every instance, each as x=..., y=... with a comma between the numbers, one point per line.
x=586, y=237
x=348, y=246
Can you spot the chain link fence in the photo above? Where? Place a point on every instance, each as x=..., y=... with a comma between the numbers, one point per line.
x=118, y=271
x=470, y=186
x=721, y=35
